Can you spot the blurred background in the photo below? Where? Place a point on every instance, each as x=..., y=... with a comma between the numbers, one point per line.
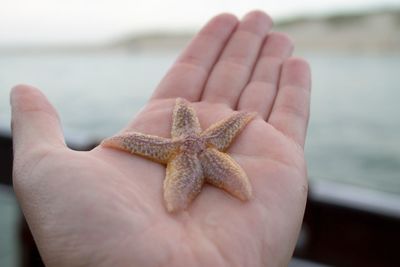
x=98, y=62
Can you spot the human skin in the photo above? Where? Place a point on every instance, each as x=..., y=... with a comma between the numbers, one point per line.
x=104, y=207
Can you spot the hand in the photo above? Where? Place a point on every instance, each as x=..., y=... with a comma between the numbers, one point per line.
x=104, y=207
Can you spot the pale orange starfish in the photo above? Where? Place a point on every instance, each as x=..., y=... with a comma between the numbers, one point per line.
x=192, y=156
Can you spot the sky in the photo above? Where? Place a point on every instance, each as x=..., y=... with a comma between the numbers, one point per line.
x=95, y=21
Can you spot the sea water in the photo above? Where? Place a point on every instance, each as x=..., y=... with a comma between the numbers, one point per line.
x=354, y=133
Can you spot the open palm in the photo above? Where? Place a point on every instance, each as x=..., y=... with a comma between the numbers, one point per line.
x=105, y=206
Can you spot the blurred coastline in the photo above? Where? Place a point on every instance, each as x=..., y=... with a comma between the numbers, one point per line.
x=371, y=31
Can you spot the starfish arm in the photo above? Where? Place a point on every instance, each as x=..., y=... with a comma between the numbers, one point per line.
x=184, y=120
x=152, y=147
x=222, y=171
x=184, y=180
x=221, y=134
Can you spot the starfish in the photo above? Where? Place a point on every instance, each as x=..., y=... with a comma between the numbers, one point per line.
x=192, y=156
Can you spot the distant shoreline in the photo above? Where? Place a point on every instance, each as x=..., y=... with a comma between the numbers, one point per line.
x=368, y=31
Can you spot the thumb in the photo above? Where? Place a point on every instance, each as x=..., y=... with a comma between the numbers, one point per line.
x=35, y=123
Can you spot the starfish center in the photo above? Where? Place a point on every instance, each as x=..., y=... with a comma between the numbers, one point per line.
x=194, y=144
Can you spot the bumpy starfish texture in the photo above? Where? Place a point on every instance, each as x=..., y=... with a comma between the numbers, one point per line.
x=192, y=156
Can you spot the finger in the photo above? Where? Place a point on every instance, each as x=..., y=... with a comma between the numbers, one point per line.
x=233, y=70
x=291, y=109
x=187, y=76
x=35, y=123
x=259, y=94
